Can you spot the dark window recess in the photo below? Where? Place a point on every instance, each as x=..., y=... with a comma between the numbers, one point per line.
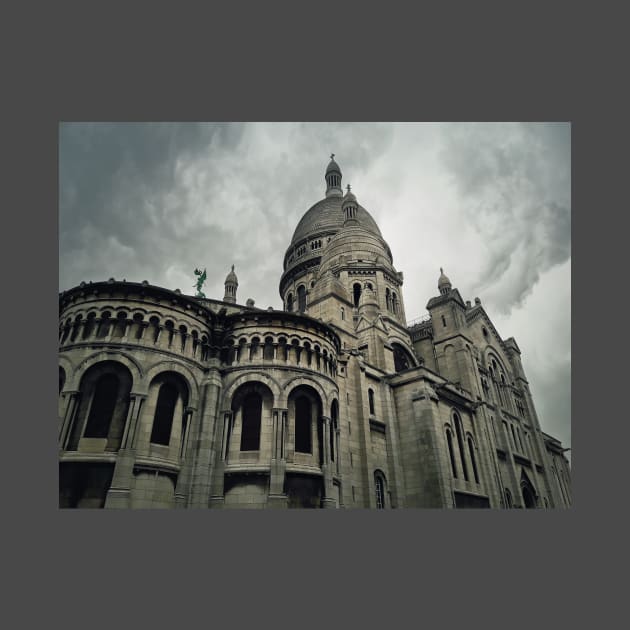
x=471, y=450
x=320, y=441
x=164, y=412
x=470, y=501
x=102, y=409
x=303, y=441
x=301, y=295
x=449, y=439
x=371, y=400
x=460, y=443
x=356, y=293
x=380, y=492
x=401, y=360
x=250, y=432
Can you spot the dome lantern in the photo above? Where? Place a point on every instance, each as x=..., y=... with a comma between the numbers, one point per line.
x=349, y=207
x=231, y=284
x=333, y=178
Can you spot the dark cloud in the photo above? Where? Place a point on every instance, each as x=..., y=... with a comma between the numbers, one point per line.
x=513, y=183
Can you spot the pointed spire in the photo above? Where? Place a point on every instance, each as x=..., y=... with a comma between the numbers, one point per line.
x=444, y=284
x=333, y=178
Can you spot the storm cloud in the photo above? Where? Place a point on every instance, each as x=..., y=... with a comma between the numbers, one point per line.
x=489, y=202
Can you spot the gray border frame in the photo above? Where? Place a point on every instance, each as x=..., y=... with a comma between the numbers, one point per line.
x=91, y=62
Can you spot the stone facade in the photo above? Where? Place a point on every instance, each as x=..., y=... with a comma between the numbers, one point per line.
x=173, y=401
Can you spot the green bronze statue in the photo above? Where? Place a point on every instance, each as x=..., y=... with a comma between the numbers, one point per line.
x=200, y=281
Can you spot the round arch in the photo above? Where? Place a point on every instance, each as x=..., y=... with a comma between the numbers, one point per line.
x=68, y=367
x=492, y=353
x=261, y=377
x=182, y=370
x=127, y=360
x=296, y=381
x=403, y=357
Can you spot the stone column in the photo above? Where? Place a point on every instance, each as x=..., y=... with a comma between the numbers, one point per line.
x=183, y=479
x=203, y=442
x=119, y=493
x=277, y=498
x=128, y=323
x=328, y=500
x=67, y=416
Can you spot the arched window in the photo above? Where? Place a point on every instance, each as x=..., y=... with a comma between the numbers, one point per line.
x=88, y=329
x=183, y=334
x=402, y=360
x=282, y=349
x=301, y=296
x=164, y=412
x=449, y=440
x=154, y=322
x=303, y=426
x=103, y=328
x=356, y=291
x=253, y=349
x=268, y=349
x=371, y=401
x=102, y=408
x=460, y=443
x=309, y=353
x=297, y=350
x=170, y=327
x=120, y=325
x=250, y=430
x=76, y=327
x=471, y=450
x=379, y=488
x=290, y=302
x=394, y=303
x=103, y=404
x=528, y=497
x=388, y=300
x=343, y=313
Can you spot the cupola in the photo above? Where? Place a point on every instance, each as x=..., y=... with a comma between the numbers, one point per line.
x=349, y=207
x=231, y=284
x=333, y=178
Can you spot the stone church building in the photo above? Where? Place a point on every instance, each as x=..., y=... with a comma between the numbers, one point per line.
x=173, y=401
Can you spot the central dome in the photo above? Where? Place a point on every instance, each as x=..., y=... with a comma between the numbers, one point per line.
x=327, y=216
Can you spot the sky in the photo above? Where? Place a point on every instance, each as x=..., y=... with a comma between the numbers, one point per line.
x=488, y=202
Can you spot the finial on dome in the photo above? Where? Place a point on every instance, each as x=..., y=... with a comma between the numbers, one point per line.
x=332, y=156
x=349, y=189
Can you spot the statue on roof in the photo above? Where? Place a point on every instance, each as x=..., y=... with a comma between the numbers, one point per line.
x=200, y=281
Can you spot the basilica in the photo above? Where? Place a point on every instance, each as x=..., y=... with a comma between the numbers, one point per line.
x=168, y=400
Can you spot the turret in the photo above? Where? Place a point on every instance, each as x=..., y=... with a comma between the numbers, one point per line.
x=231, y=284
x=333, y=179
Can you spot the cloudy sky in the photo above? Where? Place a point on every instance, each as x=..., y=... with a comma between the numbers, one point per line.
x=489, y=202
